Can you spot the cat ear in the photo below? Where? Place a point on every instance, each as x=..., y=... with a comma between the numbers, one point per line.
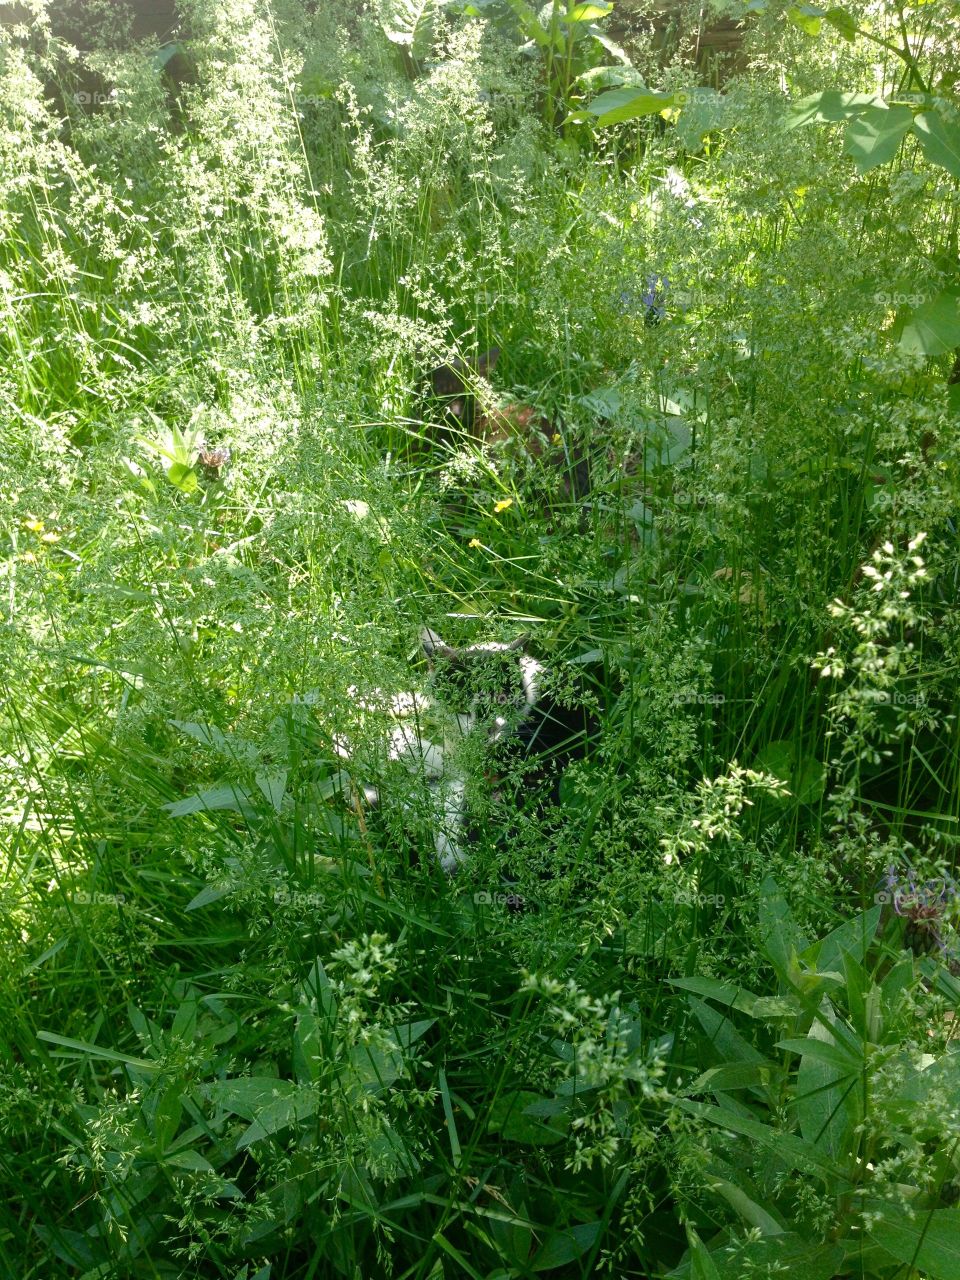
x=434, y=647
x=455, y=376
x=488, y=361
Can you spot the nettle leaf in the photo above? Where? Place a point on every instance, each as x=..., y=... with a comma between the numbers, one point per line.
x=928, y=1242
x=874, y=137
x=939, y=140
x=934, y=327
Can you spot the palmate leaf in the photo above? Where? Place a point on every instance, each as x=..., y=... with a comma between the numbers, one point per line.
x=412, y=25
x=934, y=328
x=807, y=17
x=874, y=137
x=829, y=107
x=939, y=140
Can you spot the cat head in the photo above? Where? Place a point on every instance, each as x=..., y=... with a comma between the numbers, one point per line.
x=491, y=687
x=452, y=387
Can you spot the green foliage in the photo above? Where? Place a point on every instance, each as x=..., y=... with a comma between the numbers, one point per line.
x=248, y=1028
x=824, y=1161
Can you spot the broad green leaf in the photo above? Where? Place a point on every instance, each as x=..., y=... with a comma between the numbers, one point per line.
x=807, y=17
x=160, y=57
x=97, y=1051
x=530, y=24
x=246, y=1096
x=782, y=939
x=586, y=13
x=788, y=1256
x=273, y=786
x=939, y=140
x=597, y=78
x=183, y=477
x=825, y=1087
x=411, y=24
x=210, y=893
x=701, y=1264
x=308, y=1058
x=874, y=137
x=300, y=1104
x=209, y=735
x=408, y=1033
x=231, y=797
x=563, y=1247
x=724, y=993
x=929, y=1242
x=734, y=1076
x=934, y=328
x=754, y=1214
x=724, y=1037
x=842, y=22
x=191, y=1160
x=611, y=47
x=811, y=1046
x=793, y=1150
x=625, y=104
x=317, y=987
x=378, y=1065
x=829, y=107
x=701, y=113
x=509, y=1117
x=853, y=937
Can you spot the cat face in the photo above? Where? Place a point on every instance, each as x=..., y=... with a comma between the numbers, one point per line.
x=452, y=386
x=492, y=688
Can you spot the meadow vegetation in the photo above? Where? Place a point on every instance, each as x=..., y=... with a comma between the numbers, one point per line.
x=248, y=1028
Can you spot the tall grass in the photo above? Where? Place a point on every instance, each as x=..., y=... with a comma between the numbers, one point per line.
x=249, y=1028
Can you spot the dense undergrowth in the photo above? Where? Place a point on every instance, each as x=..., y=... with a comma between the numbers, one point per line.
x=249, y=1028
